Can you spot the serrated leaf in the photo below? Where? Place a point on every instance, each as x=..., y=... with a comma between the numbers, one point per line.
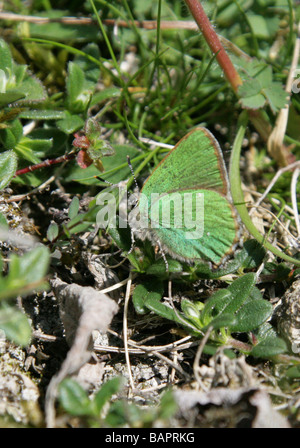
x=264, y=77
x=8, y=167
x=276, y=95
x=258, y=88
x=249, y=88
x=33, y=90
x=253, y=102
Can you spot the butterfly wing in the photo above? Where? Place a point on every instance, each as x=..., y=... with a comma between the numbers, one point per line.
x=195, y=162
x=194, y=225
x=195, y=166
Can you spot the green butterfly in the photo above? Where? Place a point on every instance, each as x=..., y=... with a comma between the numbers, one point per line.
x=185, y=205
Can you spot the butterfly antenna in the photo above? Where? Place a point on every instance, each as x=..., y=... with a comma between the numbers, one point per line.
x=104, y=180
x=132, y=171
x=132, y=242
x=163, y=255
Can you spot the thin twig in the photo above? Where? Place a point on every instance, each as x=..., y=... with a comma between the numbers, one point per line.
x=274, y=180
x=199, y=354
x=294, y=198
x=125, y=328
x=146, y=24
x=38, y=189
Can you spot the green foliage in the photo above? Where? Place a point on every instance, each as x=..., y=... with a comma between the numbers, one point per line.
x=26, y=274
x=8, y=166
x=258, y=88
x=113, y=85
x=239, y=308
x=74, y=399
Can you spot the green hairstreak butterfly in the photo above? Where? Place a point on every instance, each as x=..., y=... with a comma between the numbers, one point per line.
x=185, y=205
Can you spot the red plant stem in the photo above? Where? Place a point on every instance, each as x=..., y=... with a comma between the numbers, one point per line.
x=45, y=163
x=214, y=43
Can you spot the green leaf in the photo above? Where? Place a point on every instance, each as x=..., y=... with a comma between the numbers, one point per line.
x=276, y=95
x=269, y=347
x=107, y=390
x=41, y=114
x=252, y=315
x=33, y=90
x=11, y=135
x=293, y=372
x=249, y=88
x=15, y=325
x=4, y=225
x=73, y=398
x=6, y=61
x=122, y=412
x=158, y=268
x=222, y=321
x=168, y=405
x=146, y=292
x=252, y=254
x=106, y=94
x=79, y=95
x=10, y=97
x=258, y=87
x=52, y=231
x=121, y=237
x=264, y=28
x=38, y=145
x=31, y=267
x=75, y=81
x=240, y=290
x=74, y=208
x=8, y=167
x=167, y=312
x=70, y=124
x=254, y=102
x=33, y=149
x=215, y=305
